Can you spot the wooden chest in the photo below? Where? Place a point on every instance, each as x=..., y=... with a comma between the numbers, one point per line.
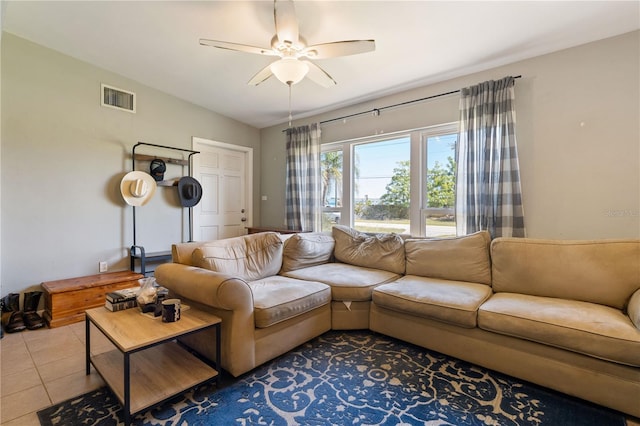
x=66, y=300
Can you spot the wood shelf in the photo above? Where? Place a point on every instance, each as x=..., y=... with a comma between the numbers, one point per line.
x=168, y=160
x=256, y=230
x=168, y=183
x=156, y=374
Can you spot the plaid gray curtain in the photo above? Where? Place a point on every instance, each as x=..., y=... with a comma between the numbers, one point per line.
x=302, y=209
x=488, y=194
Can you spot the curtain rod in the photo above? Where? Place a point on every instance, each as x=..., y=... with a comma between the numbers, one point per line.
x=376, y=111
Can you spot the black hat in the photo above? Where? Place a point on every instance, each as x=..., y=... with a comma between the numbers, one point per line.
x=157, y=169
x=189, y=191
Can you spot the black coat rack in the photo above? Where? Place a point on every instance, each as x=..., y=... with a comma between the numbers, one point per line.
x=138, y=252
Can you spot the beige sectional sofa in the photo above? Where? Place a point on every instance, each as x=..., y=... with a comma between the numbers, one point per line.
x=562, y=314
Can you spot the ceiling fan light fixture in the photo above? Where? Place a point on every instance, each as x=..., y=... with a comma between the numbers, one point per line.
x=289, y=70
x=287, y=43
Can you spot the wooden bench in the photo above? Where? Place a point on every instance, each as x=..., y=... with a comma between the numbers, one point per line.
x=66, y=300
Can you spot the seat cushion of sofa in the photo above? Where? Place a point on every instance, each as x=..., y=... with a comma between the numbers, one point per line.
x=348, y=282
x=279, y=298
x=588, y=328
x=454, y=302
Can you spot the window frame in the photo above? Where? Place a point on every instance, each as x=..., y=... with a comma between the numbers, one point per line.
x=425, y=134
x=418, y=175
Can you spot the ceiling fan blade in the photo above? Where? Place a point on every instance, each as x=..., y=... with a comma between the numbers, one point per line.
x=339, y=48
x=237, y=47
x=319, y=76
x=261, y=76
x=284, y=15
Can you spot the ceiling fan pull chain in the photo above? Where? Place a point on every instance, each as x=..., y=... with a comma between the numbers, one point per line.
x=290, y=116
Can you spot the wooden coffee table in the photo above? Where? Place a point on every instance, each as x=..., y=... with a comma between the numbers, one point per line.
x=149, y=366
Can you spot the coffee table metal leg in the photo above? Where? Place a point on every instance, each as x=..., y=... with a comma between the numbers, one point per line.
x=127, y=391
x=218, y=360
x=87, y=346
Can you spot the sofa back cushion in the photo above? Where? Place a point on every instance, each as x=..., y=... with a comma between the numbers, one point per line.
x=459, y=259
x=379, y=251
x=305, y=250
x=250, y=257
x=183, y=252
x=601, y=271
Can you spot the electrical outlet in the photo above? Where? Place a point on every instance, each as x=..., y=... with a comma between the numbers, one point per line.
x=103, y=267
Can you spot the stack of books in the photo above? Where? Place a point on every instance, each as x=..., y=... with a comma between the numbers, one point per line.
x=122, y=299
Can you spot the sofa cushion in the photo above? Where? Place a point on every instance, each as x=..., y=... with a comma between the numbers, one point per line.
x=453, y=302
x=459, y=259
x=588, y=328
x=606, y=272
x=183, y=252
x=348, y=282
x=380, y=251
x=305, y=250
x=279, y=298
x=250, y=257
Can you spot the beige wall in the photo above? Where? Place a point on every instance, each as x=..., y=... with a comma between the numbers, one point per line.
x=63, y=156
x=578, y=136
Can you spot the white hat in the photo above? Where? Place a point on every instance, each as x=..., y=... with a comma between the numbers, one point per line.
x=137, y=188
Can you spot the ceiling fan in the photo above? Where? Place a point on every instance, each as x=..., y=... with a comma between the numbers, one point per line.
x=291, y=47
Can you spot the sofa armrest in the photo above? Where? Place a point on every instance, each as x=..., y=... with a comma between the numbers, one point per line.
x=226, y=296
x=633, y=309
x=207, y=287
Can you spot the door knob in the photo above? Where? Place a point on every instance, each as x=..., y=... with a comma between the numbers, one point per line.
x=244, y=219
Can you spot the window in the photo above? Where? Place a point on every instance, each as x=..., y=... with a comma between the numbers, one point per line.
x=402, y=183
x=381, y=185
x=440, y=184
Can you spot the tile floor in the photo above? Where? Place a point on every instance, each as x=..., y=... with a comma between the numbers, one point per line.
x=43, y=367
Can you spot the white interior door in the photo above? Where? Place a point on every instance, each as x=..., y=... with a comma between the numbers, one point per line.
x=225, y=173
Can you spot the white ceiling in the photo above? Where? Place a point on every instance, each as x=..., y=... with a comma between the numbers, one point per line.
x=417, y=43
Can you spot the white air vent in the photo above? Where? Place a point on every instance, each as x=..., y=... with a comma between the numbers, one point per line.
x=113, y=97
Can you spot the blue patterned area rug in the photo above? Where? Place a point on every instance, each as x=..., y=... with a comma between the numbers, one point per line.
x=352, y=378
